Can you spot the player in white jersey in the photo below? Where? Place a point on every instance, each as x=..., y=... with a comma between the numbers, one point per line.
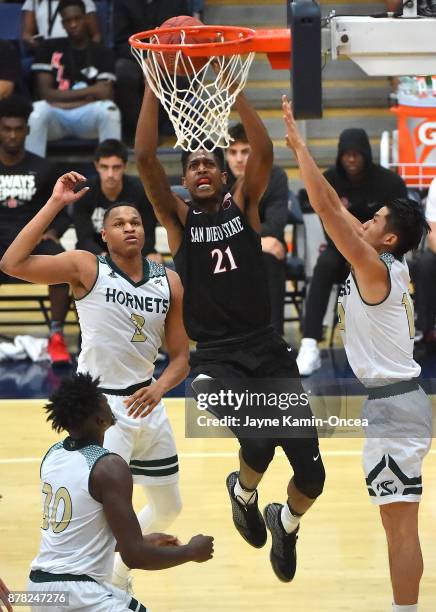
x=125, y=304
x=376, y=317
x=87, y=510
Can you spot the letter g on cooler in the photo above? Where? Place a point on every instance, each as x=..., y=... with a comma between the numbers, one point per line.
x=427, y=133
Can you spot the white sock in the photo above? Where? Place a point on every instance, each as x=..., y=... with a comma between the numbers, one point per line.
x=121, y=571
x=398, y=608
x=309, y=342
x=290, y=521
x=249, y=497
x=163, y=507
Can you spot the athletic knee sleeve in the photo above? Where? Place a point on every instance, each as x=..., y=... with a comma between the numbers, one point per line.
x=164, y=505
x=310, y=479
x=257, y=454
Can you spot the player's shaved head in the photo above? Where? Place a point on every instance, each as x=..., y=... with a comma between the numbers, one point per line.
x=116, y=205
x=217, y=153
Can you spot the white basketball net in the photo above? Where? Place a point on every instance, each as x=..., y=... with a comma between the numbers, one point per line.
x=199, y=103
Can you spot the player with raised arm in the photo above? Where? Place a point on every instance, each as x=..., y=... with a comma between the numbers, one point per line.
x=87, y=510
x=125, y=304
x=216, y=247
x=376, y=319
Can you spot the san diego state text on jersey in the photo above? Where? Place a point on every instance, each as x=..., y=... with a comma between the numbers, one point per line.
x=221, y=267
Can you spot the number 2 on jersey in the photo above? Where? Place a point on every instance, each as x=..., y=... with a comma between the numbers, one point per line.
x=341, y=316
x=221, y=262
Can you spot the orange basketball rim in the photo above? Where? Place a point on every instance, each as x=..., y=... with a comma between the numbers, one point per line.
x=222, y=41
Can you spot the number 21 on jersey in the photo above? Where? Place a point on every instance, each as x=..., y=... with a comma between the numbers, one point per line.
x=223, y=260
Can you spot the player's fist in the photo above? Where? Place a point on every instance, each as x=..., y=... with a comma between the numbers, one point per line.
x=161, y=539
x=201, y=548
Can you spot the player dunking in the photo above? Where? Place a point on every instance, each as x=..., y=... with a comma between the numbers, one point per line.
x=124, y=303
x=217, y=251
x=376, y=319
x=87, y=509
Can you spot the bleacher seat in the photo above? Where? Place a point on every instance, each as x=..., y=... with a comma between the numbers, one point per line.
x=10, y=21
x=295, y=262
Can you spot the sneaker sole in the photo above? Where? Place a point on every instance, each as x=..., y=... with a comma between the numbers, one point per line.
x=237, y=527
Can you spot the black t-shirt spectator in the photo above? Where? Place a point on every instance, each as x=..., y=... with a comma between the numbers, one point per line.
x=24, y=189
x=10, y=68
x=377, y=184
x=73, y=67
x=273, y=207
x=132, y=16
x=88, y=214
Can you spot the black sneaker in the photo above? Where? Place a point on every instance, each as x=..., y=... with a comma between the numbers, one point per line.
x=246, y=517
x=283, y=555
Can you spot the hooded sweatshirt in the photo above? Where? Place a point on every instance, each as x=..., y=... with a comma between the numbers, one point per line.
x=377, y=184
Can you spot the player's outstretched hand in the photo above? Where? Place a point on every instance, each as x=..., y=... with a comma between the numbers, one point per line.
x=64, y=190
x=293, y=136
x=143, y=401
x=4, y=593
x=162, y=539
x=201, y=548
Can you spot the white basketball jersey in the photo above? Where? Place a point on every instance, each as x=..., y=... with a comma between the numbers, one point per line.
x=75, y=536
x=378, y=339
x=122, y=324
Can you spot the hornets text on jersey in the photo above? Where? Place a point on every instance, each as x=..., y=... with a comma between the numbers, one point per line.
x=122, y=324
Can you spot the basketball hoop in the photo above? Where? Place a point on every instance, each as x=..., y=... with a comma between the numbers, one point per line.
x=198, y=81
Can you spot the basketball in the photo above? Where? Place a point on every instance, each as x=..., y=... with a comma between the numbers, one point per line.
x=175, y=38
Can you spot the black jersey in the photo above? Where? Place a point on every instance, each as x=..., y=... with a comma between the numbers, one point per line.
x=221, y=267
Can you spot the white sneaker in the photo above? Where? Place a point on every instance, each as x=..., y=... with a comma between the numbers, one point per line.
x=309, y=357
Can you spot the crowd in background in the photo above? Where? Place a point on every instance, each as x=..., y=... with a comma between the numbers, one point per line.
x=90, y=88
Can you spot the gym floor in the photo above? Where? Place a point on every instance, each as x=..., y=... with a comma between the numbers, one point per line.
x=342, y=557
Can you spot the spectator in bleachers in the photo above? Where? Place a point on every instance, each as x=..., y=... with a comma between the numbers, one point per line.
x=131, y=16
x=42, y=20
x=112, y=185
x=273, y=212
x=196, y=8
x=26, y=182
x=75, y=79
x=359, y=183
x=10, y=68
x=425, y=276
